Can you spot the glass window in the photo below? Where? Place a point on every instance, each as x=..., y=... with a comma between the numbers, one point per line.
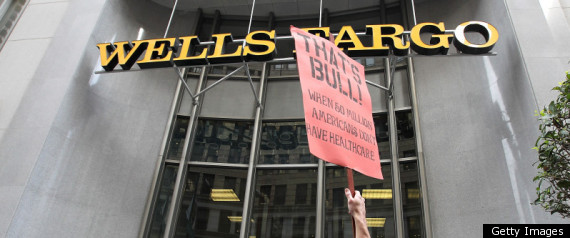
x=379, y=203
x=283, y=70
x=301, y=194
x=277, y=211
x=413, y=218
x=284, y=200
x=212, y=203
x=284, y=143
x=178, y=137
x=382, y=135
x=222, y=141
x=406, y=135
x=162, y=203
x=401, y=88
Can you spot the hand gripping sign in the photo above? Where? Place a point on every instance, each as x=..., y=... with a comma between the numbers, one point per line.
x=338, y=111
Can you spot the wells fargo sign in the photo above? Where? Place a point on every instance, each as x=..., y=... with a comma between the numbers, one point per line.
x=261, y=45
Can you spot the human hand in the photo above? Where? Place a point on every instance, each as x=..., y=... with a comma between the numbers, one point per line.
x=357, y=209
x=356, y=204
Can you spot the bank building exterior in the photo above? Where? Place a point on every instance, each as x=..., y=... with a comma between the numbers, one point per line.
x=221, y=150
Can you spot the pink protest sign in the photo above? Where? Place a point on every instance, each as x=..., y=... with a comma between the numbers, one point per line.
x=338, y=111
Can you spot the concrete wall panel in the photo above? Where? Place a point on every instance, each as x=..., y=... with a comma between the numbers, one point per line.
x=478, y=128
x=98, y=135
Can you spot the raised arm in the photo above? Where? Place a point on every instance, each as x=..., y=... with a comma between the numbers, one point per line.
x=357, y=209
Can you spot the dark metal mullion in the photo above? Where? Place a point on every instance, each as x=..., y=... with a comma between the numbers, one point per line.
x=216, y=23
x=271, y=21
x=404, y=13
x=321, y=173
x=253, y=155
x=162, y=158
x=172, y=215
x=198, y=22
x=178, y=191
x=321, y=180
x=410, y=20
x=396, y=184
x=417, y=129
x=383, y=18
x=326, y=17
x=421, y=161
x=154, y=191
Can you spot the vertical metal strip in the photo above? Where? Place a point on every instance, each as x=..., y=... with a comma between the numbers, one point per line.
x=321, y=14
x=253, y=154
x=326, y=17
x=199, y=19
x=172, y=214
x=404, y=12
x=419, y=143
x=251, y=17
x=320, y=223
x=413, y=6
x=157, y=178
x=396, y=186
x=216, y=23
x=383, y=18
x=421, y=160
x=321, y=173
x=170, y=20
x=257, y=98
x=271, y=21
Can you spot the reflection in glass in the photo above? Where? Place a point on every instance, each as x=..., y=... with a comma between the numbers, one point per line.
x=382, y=135
x=162, y=203
x=413, y=219
x=212, y=203
x=283, y=70
x=285, y=143
x=379, y=208
x=284, y=201
x=217, y=72
x=177, y=138
x=406, y=135
x=222, y=141
x=284, y=204
x=372, y=62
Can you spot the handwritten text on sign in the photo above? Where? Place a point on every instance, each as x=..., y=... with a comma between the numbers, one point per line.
x=338, y=111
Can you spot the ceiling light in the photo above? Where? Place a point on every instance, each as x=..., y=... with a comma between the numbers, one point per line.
x=224, y=195
x=377, y=193
x=234, y=218
x=375, y=222
x=237, y=219
x=413, y=193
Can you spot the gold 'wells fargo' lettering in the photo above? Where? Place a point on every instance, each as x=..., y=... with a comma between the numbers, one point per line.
x=261, y=45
